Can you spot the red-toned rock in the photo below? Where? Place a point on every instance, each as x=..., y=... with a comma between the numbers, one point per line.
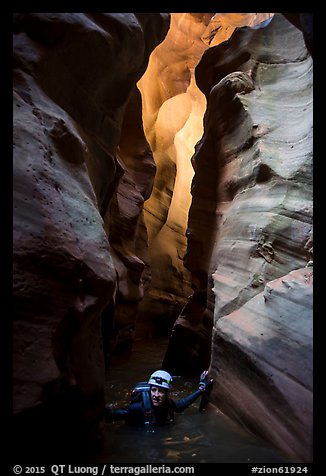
x=262, y=364
x=74, y=74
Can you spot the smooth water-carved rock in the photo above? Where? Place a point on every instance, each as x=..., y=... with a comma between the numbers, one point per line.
x=82, y=171
x=256, y=159
x=124, y=223
x=188, y=350
x=204, y=219
x=173, y=108
x=74, y=75
x=262, y=364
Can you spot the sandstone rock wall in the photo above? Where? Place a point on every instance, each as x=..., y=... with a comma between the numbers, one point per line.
x=83, y=168
x=74, y=74
x=263, y=367
x=251, y=216
x=173, y=108
x=190, y=341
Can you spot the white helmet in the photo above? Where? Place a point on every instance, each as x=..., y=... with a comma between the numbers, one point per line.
x=160, y=378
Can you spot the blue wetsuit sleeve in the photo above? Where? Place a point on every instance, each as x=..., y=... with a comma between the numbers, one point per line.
x=184, y=403
x=133, y=414
x=115, y=415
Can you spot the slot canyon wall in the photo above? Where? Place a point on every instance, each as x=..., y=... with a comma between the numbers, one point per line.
x=251, y=216
x=131, y=212
x=173, y=110
x=80, y=246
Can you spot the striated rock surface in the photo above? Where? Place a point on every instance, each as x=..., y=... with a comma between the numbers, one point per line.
x=304, y=22
x=173, y=108
x=83, y=169
x=189, y=345
x=251, y=217
x=263, y=367
x=74, y=75
x=125, y=226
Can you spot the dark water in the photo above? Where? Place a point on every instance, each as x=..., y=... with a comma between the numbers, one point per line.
x=194, y=437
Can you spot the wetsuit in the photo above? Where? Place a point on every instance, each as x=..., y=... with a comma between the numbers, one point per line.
x=141, y=410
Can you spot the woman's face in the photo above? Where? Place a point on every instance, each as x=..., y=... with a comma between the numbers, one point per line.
x=158, y=395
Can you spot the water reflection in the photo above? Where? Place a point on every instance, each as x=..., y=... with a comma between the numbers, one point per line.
x=194, y=437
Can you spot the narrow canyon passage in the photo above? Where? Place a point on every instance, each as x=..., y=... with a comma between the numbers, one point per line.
x=194, y=437
x=163, y=217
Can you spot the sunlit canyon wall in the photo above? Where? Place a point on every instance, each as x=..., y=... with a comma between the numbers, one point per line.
x=249, y=226
x=115, y=226
x=173, y=110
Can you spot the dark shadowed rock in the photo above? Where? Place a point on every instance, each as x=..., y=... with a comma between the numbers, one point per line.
x=74, y=74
